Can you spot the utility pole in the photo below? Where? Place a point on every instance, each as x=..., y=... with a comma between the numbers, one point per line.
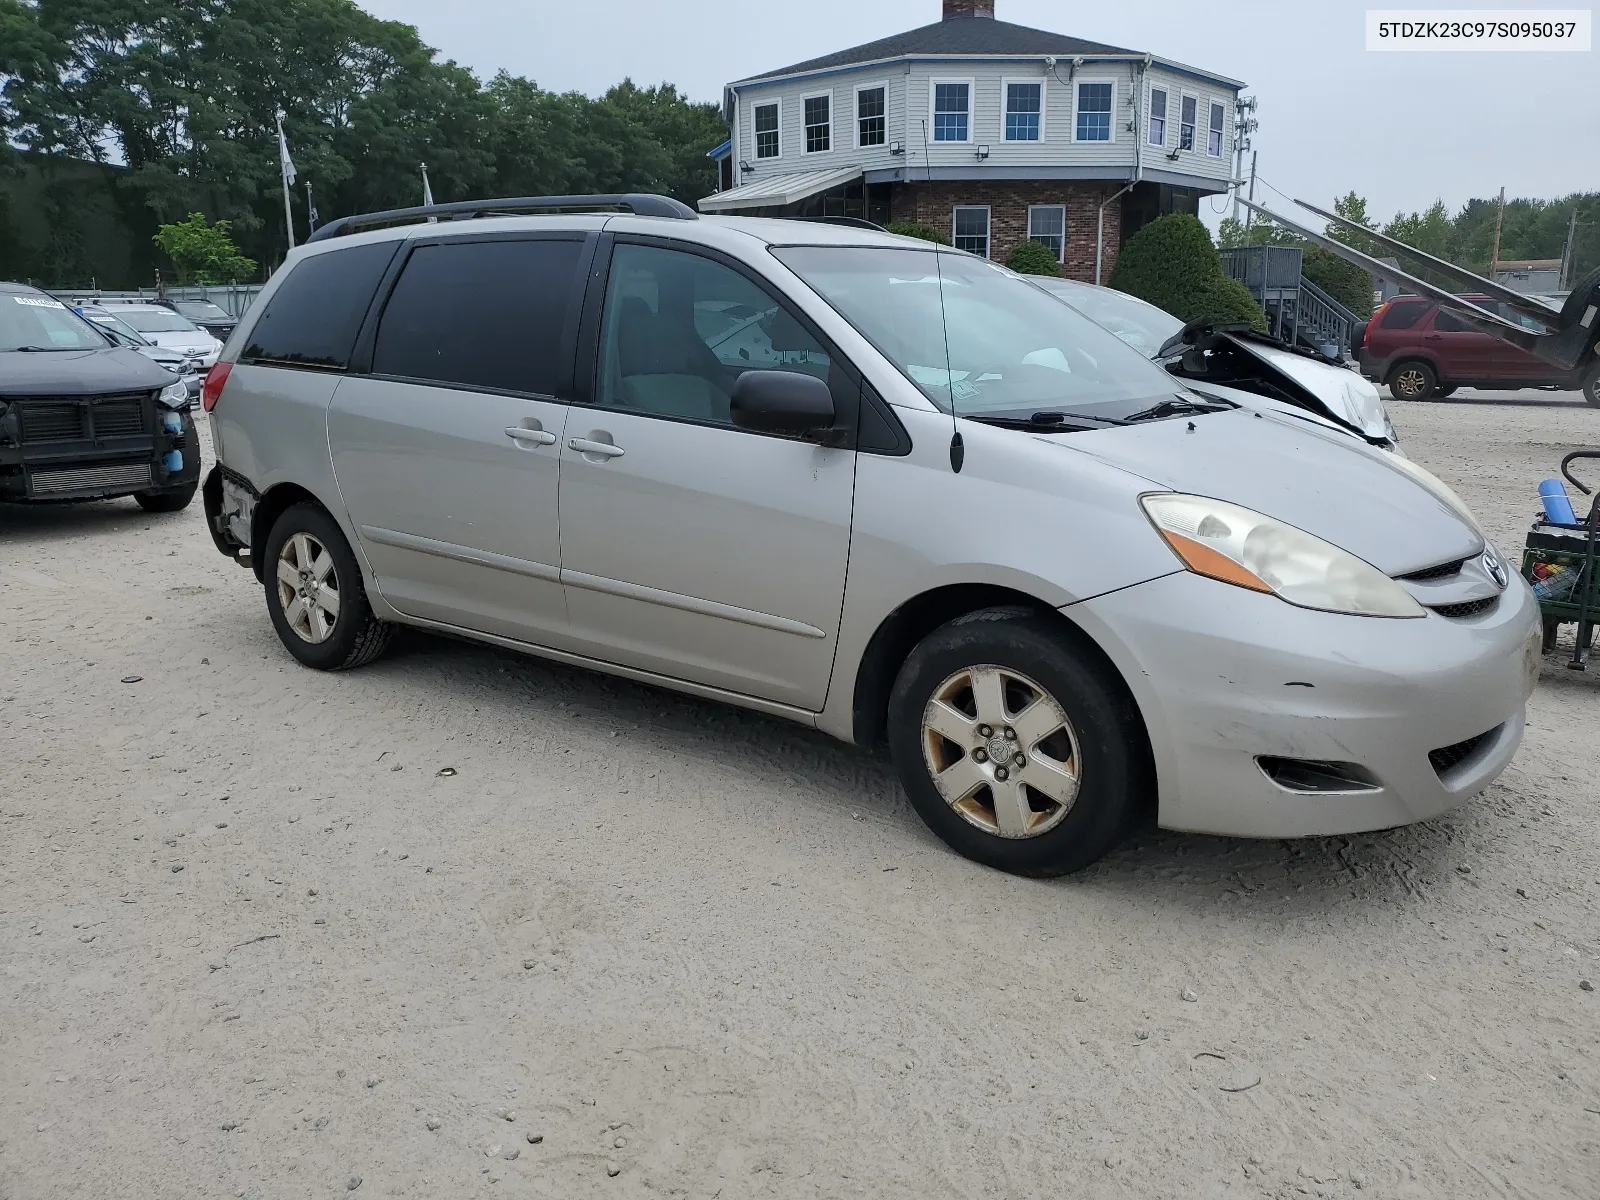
x=1499, y=216
x=1252, y=212
x=1569, y=251
x=1244, y=124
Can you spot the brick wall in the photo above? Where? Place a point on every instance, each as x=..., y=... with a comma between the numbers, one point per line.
x=1008, y=201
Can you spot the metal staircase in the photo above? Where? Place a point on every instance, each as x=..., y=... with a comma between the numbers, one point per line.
x=1298, y=311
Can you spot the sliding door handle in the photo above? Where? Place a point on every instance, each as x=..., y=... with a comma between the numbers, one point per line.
x=537, y=437
x=599, y=449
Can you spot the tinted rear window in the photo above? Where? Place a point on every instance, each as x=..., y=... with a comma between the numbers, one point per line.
x=1403, y=314
x=314, y=316
x=482, y=314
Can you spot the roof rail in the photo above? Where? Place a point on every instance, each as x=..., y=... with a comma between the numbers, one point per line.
x=639, y=203
x=852, y=222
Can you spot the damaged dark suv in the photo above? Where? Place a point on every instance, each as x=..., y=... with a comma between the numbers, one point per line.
x=82, y=418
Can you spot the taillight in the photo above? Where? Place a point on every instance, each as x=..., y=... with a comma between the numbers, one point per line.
x=211, y=389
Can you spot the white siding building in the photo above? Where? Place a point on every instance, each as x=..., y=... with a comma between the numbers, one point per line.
x=987, y=131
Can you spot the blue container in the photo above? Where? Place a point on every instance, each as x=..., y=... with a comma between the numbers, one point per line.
x=1557, y=506
x=174, y=463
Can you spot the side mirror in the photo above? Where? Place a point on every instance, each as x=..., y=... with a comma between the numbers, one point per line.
x=781, y=402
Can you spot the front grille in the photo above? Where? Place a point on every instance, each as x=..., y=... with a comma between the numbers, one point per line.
x=51, y=422
x=1447, y=758
x=1442, y=571
x=1469, y=608
x=75, y=479
x=122, y=418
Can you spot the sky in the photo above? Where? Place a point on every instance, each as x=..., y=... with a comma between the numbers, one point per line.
x=1400, y=129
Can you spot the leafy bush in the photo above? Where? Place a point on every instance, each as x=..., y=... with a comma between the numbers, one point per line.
x=1172, y=264
x=1033, y=258
x=917, y=230
x=204, y=253
x=1345, y=282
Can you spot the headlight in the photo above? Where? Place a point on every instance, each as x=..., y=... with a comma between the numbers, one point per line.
x=174, y=395
x=1238, y=546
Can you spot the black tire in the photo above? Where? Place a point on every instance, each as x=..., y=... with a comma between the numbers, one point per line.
x=1111, y=751
x=1412, y=380
x=1591, y=390
x=167, y=502
x=1442, y=390
x=356, y=636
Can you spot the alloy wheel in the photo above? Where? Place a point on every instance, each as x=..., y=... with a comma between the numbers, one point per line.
x=1411, y=382
x=1001, y=751
x=308, y=588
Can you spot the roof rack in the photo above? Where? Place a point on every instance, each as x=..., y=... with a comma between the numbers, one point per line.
x=640, y=204
x=852, y=222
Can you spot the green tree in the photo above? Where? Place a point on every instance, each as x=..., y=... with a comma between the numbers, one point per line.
x=1033, y=258
x=916, y=229
x=1172, y=263
x=1352, y=208
x=202, y=253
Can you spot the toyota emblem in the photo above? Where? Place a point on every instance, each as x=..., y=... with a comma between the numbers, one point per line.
x=1497, y=571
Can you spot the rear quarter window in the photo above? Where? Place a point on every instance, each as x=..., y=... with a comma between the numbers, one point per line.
x=1403, y=314
x=313, y=317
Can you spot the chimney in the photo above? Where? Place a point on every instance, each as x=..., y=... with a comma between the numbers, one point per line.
x=968, y=8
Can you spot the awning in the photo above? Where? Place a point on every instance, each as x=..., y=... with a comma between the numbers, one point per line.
x=777, y=191
x=721, y=151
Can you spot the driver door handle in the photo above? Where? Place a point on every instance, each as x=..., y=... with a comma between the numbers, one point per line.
x=603, y=449
x=537, y=436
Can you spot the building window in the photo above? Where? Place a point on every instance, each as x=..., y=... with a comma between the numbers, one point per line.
x=1024, y=110
x=1214, y=134
x=1094, y=112
x=766, y=131
x=872, y=124
x=1047, y=223
x=1158, y=116
x=1186, y=123
x=819, y=123
x=970, y=226
x=952, y=107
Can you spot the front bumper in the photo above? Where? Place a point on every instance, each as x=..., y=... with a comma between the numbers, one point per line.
x=1225, y=677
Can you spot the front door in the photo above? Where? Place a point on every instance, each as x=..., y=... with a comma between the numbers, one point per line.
x=448, y=455
x=691, y=548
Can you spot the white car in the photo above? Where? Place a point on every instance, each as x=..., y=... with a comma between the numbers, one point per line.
x=166, y=328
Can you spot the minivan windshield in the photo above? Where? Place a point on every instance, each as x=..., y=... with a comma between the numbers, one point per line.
x=157, y=320
x=31, y=322
x=1142, y=325
x=995, y=345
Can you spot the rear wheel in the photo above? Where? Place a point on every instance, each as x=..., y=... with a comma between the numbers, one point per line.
x=1412, y=381
x=315, y=595
x=1014, y=745
x=1442, y=390
x=1591, y=390
x=167, y=502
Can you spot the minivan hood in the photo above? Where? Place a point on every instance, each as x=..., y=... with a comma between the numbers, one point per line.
x=1356, y=496
x=79, y=373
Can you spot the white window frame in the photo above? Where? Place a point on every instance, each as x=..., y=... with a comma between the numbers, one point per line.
x=988, y=216
x=855, y=113
x=1195, y=135
x=755, y=135
x=805, y=146
x=1005, y=108
x=1212, y=108
x=933, y=124
x=1061, y=255
x=1077, y=96
x=1150, y=117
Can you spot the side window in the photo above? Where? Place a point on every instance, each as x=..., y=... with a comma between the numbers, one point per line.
x=1448, y=322
x=482, y=314
x=1403, y=314
x=680, y=329
x=314, y=316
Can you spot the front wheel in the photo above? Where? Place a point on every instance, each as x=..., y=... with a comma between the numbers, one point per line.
x=1412, y=381
x=1014, y=745
x=315, y=596
x=167, y=502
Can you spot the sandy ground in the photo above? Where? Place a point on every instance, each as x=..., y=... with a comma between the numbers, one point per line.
x=256, y=941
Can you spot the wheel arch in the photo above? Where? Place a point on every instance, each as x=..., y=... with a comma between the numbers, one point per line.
x=276, y=501
x=1407, y=357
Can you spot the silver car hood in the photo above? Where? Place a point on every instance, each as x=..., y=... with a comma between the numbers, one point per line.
x=1369, y=502
x=1348, y=396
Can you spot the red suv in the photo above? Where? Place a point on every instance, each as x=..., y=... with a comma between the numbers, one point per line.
x=1421, y=351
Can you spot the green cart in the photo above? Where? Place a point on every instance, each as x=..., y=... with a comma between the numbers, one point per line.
x=1559, y=562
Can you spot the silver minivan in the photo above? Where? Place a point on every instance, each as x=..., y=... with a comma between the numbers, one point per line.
x=878, y=487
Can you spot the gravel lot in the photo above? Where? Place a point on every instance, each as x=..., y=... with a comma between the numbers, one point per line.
x=256, y=939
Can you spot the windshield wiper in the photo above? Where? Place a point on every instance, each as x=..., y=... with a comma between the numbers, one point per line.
x=37, y=349
x=1043, y=422
x=1176, y=407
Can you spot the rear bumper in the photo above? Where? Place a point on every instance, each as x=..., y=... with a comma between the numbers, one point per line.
x=1225, y=677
